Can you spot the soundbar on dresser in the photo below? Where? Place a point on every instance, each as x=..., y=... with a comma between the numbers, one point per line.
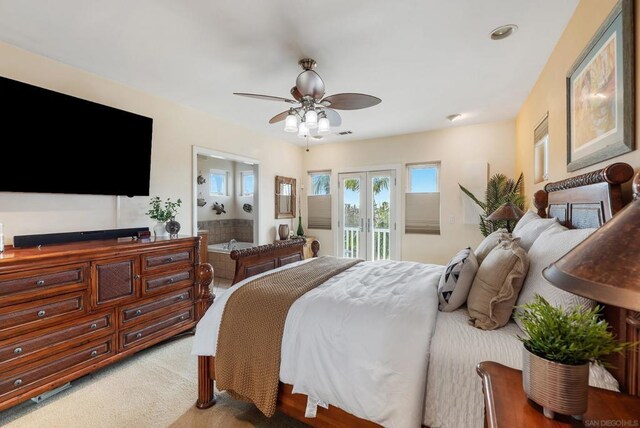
x=23, y=241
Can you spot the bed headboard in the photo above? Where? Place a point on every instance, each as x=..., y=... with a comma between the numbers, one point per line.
x=590, y=200
x=255, y=260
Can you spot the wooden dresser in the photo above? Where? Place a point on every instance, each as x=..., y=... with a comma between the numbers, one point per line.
x=67, y=310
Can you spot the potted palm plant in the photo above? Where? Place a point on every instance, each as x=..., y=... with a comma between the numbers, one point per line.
x=558, y=347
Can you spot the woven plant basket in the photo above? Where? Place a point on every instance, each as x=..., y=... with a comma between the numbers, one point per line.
x=558, y=388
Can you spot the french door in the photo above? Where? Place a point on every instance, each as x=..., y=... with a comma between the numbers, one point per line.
x=366, y=218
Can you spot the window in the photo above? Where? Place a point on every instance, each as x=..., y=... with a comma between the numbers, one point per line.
x=319, y=200
x=320, y=183
x=246, y=180
x=541, y=151
x=422, y=201
x=423, y=178
x=218, y=182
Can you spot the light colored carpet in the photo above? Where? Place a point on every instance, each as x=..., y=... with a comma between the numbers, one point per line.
x=154, y=388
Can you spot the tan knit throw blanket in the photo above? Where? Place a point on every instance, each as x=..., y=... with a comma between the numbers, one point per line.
x=250, y=335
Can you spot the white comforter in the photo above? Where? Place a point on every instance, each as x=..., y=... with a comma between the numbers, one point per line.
x=360, y=341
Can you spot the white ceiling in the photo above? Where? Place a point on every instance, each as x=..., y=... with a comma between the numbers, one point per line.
x=426, y=59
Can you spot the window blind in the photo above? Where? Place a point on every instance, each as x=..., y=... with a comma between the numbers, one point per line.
x=319, y=209
x=422, y=213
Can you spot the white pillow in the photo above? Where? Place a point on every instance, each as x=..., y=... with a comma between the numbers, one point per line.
x=552, y=244
x=526, y=218
x=456, y=280
x=532, y=230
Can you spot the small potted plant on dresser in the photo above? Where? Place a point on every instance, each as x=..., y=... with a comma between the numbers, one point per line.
x=558, y=347
x=165, y=216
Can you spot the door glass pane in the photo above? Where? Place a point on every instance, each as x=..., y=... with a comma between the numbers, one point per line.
x=381, y=228
x=351, y=220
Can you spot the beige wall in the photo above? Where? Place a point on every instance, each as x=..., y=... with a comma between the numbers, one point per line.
x=453, y=147
x=549, y=94
x=176, y=129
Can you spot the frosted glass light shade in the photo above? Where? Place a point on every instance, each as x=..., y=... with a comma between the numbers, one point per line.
x=291, y=123
x=324, y=126
x=303, y=131
x=311, y=119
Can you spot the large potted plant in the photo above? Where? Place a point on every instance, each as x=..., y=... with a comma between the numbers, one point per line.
x=164, y=215
x=558, y=347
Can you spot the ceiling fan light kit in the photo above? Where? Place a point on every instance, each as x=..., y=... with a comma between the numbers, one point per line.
x=312, y=111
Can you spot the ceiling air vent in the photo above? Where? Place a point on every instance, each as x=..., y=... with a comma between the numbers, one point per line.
x=344, y=133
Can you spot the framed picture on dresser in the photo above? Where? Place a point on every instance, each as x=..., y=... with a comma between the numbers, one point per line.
x=600, y=93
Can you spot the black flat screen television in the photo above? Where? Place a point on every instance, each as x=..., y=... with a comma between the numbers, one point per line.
x=56, y=143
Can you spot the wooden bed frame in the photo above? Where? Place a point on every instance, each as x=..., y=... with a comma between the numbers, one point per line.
x=588, y=200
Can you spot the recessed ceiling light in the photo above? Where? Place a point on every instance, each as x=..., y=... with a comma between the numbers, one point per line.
x=454, y=117
x=503, y=32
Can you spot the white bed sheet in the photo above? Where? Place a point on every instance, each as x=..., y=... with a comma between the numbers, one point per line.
x=360, y=341
x=454, y=391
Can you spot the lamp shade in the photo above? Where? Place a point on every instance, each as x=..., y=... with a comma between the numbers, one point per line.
x=303, y=131
x=606, y=266
x=291, y=123
x=508, y=211
x=324, y=127
x=311, y=119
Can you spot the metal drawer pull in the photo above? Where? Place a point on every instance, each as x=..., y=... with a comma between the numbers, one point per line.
x=170, y=280
x=41, y=313
x=17, y=351
x=17, y=382
x=94, y=353
x=136, y=277
x=138, y=336
x=93, y=326
x=170, y=259
x=40, y=282
x=183, y=317
x=181, y=297
x=138, y=312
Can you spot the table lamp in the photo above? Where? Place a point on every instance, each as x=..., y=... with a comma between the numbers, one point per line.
x=507, y=212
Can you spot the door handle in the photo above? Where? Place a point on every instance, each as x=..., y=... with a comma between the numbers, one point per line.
x=368, y=225
x=361, y=225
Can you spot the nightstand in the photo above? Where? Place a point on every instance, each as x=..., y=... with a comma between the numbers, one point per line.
x=507, y=406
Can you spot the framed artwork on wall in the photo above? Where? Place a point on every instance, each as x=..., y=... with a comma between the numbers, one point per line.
x=600, y=93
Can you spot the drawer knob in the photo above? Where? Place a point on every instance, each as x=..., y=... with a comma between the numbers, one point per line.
x=40, y=282
x=181, y=297
x=17, y=351
x=138, y=336
x=170, y=259
x=94, y=353
x=183, y=317
x=170, y=280
x=136, y=277
x=41, y=313
x=17, y=382
x=138, y=312
x=93, y=326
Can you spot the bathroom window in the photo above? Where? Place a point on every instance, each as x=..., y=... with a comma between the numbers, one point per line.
x=247, y=183
x=218, y=182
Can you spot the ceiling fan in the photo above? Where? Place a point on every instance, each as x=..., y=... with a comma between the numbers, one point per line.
x=309, y=110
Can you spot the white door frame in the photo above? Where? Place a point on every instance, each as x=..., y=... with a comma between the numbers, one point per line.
x=397, y=214
x=197, y=150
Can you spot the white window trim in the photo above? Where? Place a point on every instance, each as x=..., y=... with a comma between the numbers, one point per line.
x=423, y=165
x=544, y=142
x=225, y=185
x=243, y=174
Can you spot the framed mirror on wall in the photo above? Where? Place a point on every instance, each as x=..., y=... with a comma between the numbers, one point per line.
x=285, y=197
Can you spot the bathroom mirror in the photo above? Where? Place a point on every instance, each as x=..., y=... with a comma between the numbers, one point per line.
x=285, y=197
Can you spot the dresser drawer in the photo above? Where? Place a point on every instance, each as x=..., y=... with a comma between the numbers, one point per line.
x=40, y=313
x=40, y=372
x=25, y=284
x=156, y=328
x=41, y=342
x=167, y=281
x=167, y=259
x=152, y=308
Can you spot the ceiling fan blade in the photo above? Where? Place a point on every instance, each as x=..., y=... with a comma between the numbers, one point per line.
x=296, y=94
x=279, y=117
x=350, y=101
x=333, y=116
x=265, y=97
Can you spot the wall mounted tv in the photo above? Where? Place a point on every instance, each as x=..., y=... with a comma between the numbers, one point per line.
x=56, y=143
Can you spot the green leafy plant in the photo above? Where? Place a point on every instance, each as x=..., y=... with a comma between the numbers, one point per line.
x=500, y=190
x=569, y=336
x=159, y=213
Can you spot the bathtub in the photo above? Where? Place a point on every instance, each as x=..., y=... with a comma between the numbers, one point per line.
x=223, y=266
x=224, y=247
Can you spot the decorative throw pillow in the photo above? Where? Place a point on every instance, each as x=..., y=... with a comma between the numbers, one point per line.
x=490, y=242
x=552, y=244
x=456, y=280
x=532, y=230
x=526, y=218
x=496, y=286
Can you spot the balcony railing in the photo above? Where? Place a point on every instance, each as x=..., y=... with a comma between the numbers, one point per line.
x=381, y=243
